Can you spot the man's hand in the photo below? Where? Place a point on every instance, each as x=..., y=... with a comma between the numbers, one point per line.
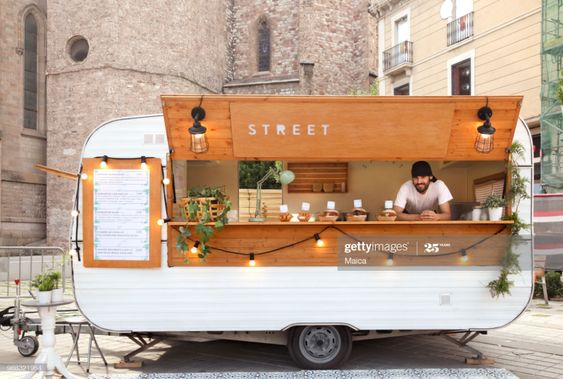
x=429, y=215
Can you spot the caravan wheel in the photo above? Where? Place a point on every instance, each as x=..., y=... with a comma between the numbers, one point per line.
x=319, y=347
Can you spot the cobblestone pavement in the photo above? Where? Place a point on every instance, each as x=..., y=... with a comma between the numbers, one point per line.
x=529, y=348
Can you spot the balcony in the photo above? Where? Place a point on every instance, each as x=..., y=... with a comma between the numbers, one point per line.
x=398, y=59
x=460, y=29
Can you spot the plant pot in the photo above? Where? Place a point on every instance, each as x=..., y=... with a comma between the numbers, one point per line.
x=44, y=297
x=495, y=214
x=57, y=295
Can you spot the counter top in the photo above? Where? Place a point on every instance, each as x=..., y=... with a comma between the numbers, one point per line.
x=278, y=223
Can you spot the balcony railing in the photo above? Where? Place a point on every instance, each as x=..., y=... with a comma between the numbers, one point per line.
x=397, y=55
x=460, y=29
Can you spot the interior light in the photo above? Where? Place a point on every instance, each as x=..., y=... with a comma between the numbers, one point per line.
x=485, y=140
x=197, y=131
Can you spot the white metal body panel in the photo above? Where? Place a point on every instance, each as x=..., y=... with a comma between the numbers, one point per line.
x=176, y=299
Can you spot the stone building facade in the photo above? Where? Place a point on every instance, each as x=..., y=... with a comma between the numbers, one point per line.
x=22, y=121
x=98, y=62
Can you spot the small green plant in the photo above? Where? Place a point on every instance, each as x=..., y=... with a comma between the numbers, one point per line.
x=44, y=282
x=55, y=276
x=494, y=201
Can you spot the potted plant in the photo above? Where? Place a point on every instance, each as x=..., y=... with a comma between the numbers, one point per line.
x=57, y=294
x=45, y=284
x=495, y=205
x=207, y=206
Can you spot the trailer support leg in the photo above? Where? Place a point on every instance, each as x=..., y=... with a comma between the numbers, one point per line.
x=126, y=362
x=479, y=358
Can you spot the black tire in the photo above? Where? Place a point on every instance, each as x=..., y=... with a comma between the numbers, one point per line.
x=319, y=347
x=28, y=345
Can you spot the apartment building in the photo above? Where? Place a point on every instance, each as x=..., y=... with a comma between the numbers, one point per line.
x=460, y=47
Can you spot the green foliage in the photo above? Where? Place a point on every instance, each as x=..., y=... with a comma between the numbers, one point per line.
x=554, y=285
x=518, y=223
x=204, y=229
x=500, y=286
x=250, y=172
x=518, y=183
x=494, y=201
x=560, y=89
x=46, y=281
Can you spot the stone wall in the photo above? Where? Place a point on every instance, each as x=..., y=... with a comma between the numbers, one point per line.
x=138, y=52
x=22, y=186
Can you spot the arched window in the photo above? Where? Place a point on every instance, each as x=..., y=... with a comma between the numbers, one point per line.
x=263, y=46
x=30, y=73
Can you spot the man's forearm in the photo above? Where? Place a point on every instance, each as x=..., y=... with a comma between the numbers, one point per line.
x=408, y=217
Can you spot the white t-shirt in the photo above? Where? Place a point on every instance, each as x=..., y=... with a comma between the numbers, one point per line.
x=415, y=202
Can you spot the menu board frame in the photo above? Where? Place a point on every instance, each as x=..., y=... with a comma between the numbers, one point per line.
x=154, y=166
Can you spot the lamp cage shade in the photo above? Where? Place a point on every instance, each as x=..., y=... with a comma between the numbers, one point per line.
x=199, y=142
x=485, y=140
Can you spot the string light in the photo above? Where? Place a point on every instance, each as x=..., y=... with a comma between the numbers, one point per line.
x=195, y=248
x=73, y=253
x=251, y=261
x=166, y=181
x=144, y=165
x=318, y=240
x=162, y=221
x=84, y=176
x=464, y=256
x=104, y=162
x=74, y=213
x=389, y=261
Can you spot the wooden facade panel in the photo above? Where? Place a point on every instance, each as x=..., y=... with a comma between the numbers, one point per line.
x=256, y=238
x=361, y=128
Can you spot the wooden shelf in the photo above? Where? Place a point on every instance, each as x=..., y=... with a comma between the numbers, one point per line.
x=314, y=177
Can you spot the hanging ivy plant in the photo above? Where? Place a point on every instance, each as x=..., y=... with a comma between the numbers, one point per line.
x=207, y=206
x=518, y=192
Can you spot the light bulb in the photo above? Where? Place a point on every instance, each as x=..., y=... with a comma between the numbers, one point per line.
x=144, y=165
x=166, y=181
x=74, y=213
x=84, y=176
x=464, y=258
x=73, y=253
x=195, y=248
x=252, y=262
x=104, y=162
x=160, y=222
x=389, y=261
x=318, y=240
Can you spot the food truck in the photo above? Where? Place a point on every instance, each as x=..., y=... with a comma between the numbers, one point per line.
x=149, y=260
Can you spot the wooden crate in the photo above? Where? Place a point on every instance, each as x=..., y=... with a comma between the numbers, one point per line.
x=215, y=209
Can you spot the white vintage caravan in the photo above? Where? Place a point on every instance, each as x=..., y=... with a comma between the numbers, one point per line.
x=270, y=278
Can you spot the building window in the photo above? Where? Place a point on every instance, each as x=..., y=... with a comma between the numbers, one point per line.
x=403, y=90
x=402, y=32
x=461, y=78
x=30, y=73
x=263, y=46
x=77, y=48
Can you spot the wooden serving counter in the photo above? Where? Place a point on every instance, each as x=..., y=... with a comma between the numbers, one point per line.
x=232, y=245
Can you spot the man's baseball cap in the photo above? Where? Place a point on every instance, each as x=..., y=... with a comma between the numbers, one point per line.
x=422, y=168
